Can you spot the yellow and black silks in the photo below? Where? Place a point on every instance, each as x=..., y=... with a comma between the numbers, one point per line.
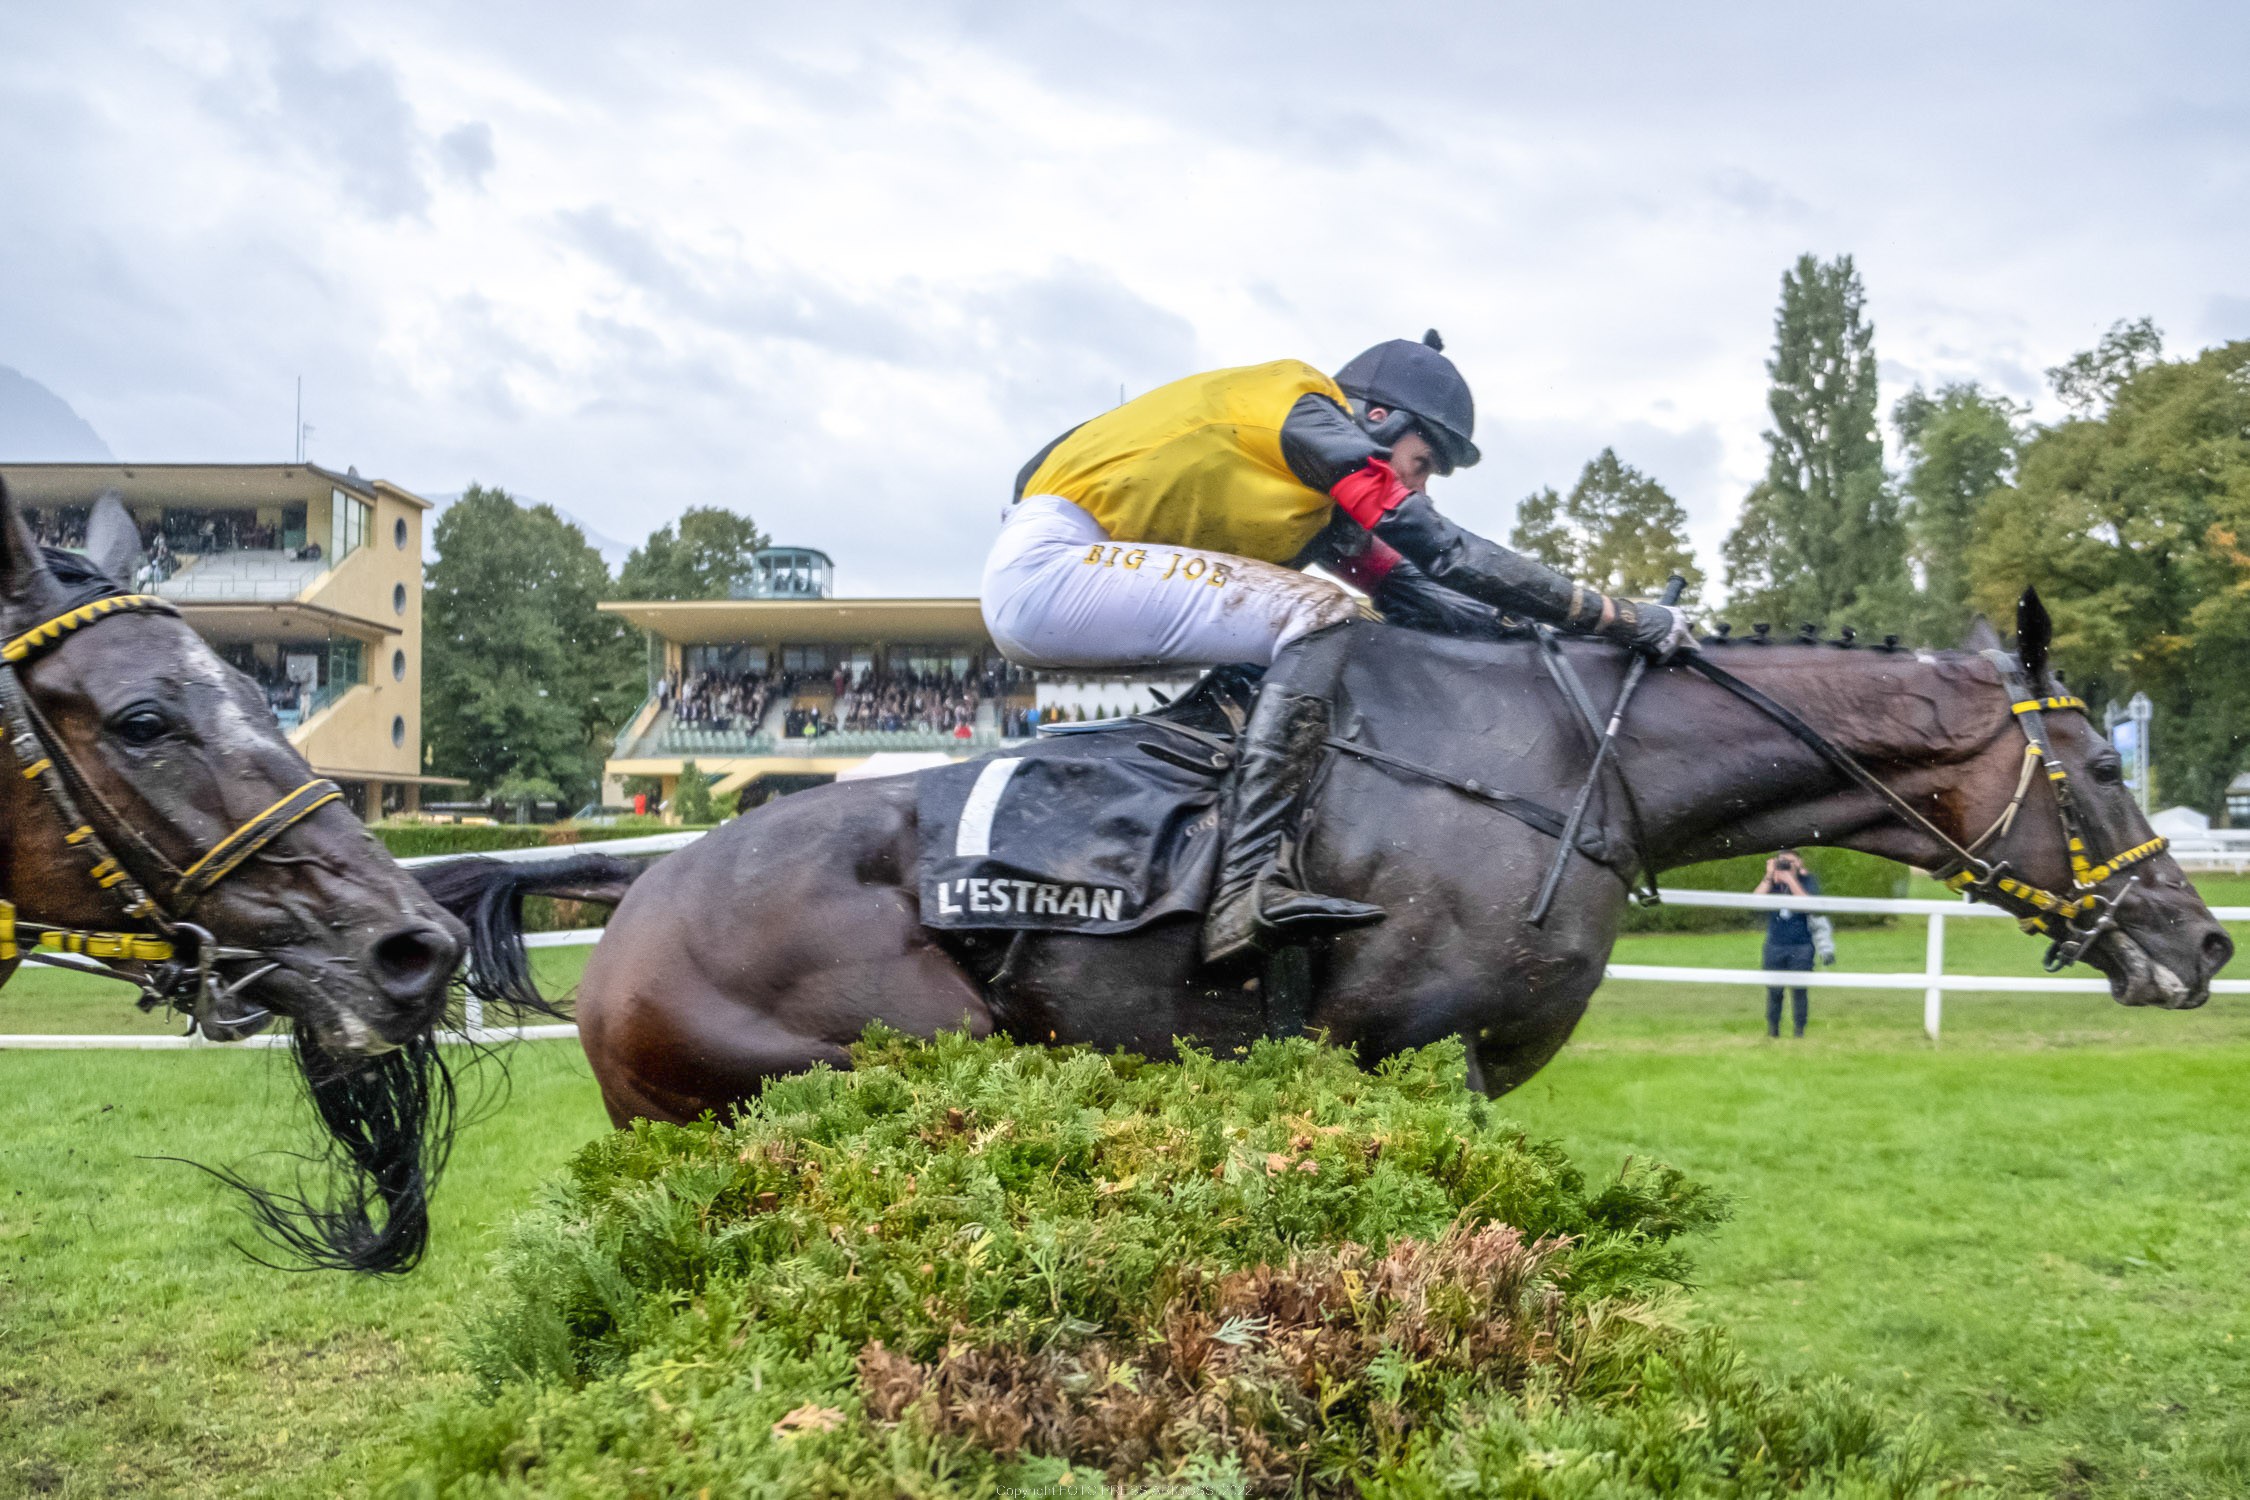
x=1196, y=463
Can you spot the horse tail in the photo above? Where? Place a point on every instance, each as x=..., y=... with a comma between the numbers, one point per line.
x=487, y=896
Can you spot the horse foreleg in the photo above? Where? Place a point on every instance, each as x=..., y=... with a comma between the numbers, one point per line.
x=1504, y=1055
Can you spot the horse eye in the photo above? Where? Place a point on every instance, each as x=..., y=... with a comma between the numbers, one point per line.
x=2108, y=772
x=140, y=726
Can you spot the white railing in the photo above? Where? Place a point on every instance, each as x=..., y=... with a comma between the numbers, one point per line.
x=1932, y=979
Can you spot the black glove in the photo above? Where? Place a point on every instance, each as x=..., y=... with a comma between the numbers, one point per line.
x=1657, y=631
x=1407, y=597
x=1484, y=570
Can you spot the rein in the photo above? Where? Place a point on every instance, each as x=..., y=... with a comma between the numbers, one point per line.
x=2074, y=922
x=184, y=955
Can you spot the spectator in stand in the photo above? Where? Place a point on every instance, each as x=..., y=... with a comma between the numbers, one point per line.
x=1793, y=938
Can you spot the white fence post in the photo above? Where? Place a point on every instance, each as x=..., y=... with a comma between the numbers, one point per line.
x=1933, y=968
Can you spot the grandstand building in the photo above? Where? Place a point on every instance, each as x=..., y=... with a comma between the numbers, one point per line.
x=786, y=686
x=310, y=581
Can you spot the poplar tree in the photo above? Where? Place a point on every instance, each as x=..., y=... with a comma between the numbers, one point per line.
x=1960, y=448
x=1618, y=530
x=1820, y=537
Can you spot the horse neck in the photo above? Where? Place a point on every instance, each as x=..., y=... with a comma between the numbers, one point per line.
x=1717, y=777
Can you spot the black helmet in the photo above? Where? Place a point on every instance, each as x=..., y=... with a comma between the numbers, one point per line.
x=1416, y=378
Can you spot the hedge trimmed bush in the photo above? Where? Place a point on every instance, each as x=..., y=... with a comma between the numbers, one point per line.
x=968, y=1268
x=1842, y=872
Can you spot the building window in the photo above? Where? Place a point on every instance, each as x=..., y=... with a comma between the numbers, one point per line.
x=807, y=658
x=398, y=666
x=398, y=598
x=346, y=662
x=398, y=729
x=398, y=533
x=348, y=521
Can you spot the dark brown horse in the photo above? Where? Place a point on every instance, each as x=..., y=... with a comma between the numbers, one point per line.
x=769, y=945
x=234, y=885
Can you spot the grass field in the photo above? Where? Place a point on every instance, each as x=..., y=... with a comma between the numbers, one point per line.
x=2031, y=1235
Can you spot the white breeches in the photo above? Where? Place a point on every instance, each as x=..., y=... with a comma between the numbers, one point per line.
x=1059, y=593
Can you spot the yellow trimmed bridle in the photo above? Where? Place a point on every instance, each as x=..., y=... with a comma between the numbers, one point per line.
x=180, y=954
x=2073, y=923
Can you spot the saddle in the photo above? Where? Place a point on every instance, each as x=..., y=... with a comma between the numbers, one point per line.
x=1098, y=829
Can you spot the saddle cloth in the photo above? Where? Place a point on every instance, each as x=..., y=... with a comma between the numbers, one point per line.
x=1084, y=832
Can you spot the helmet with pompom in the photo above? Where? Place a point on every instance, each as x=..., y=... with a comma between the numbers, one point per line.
x=1415, y=380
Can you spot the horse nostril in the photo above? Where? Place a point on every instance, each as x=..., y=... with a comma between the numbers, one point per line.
x=409, y=961
x=2218, y=948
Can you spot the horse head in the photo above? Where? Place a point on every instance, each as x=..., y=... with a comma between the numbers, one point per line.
x=174, y=761
x=2160, y=945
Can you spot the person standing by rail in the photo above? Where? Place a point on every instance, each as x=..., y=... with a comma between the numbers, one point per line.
x=1793, y=938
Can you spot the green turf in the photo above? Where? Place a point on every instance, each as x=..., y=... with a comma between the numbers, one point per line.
x=2032, y=1234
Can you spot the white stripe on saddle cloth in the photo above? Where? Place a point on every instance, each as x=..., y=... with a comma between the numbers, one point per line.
x=972, y=837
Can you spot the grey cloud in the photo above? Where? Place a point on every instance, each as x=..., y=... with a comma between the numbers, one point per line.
x=1755, y=196
x=1052, y=344
x=466, y=151
x=350, y=118
x=2226, y=318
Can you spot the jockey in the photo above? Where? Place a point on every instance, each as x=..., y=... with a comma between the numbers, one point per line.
x=1171, y=531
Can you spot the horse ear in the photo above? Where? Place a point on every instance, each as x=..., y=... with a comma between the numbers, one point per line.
x=25, y=584
x=2035, y=632
x=113, y=541
x=1981, y=636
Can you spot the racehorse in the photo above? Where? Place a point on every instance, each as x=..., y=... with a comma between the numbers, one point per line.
x=768, y=946
x=155, y=821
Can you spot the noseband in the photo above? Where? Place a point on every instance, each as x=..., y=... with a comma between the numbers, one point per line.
x=183, y=955
x=2073, y=923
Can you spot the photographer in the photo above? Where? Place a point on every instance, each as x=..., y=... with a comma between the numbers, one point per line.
x=1793, y=938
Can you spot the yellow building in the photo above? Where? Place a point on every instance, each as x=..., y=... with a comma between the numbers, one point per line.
x=792, y=688
x=310, y=581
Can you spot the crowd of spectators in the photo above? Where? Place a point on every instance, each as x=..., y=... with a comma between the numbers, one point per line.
x=924, y=702
x=905, y=700
x=718, y=700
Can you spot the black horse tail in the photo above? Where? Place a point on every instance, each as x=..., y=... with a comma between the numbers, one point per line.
x=487, y=895
x=388, y=1123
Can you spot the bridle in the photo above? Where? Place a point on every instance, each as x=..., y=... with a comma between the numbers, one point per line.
x=182, y=957
x=2073, y=923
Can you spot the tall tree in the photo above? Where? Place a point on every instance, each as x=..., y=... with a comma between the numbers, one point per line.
x=523, y=679
x=1618, y=529
x=702, y=556
x=2089, y=380
x=1960, y=447
x=2134, y=521
x=1820, y=538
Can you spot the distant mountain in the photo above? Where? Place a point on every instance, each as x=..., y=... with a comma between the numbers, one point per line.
x=38, y=426
x=613, y=551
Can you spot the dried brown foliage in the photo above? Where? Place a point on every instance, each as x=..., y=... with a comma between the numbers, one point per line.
x=1259, y=1363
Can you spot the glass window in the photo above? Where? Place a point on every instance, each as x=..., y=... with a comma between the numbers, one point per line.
x=806, y=658
x=348, y=523
x=398, y=666
x=346, y=662
x=398, y=533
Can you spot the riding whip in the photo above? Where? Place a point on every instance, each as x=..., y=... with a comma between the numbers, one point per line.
x=1548, y=887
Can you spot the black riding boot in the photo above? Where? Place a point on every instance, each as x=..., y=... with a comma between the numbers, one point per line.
x=1257, y=899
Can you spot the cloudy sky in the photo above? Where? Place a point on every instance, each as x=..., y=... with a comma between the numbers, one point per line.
x=845, y=266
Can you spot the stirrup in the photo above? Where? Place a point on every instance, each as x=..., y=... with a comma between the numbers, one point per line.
x=1266, y=914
